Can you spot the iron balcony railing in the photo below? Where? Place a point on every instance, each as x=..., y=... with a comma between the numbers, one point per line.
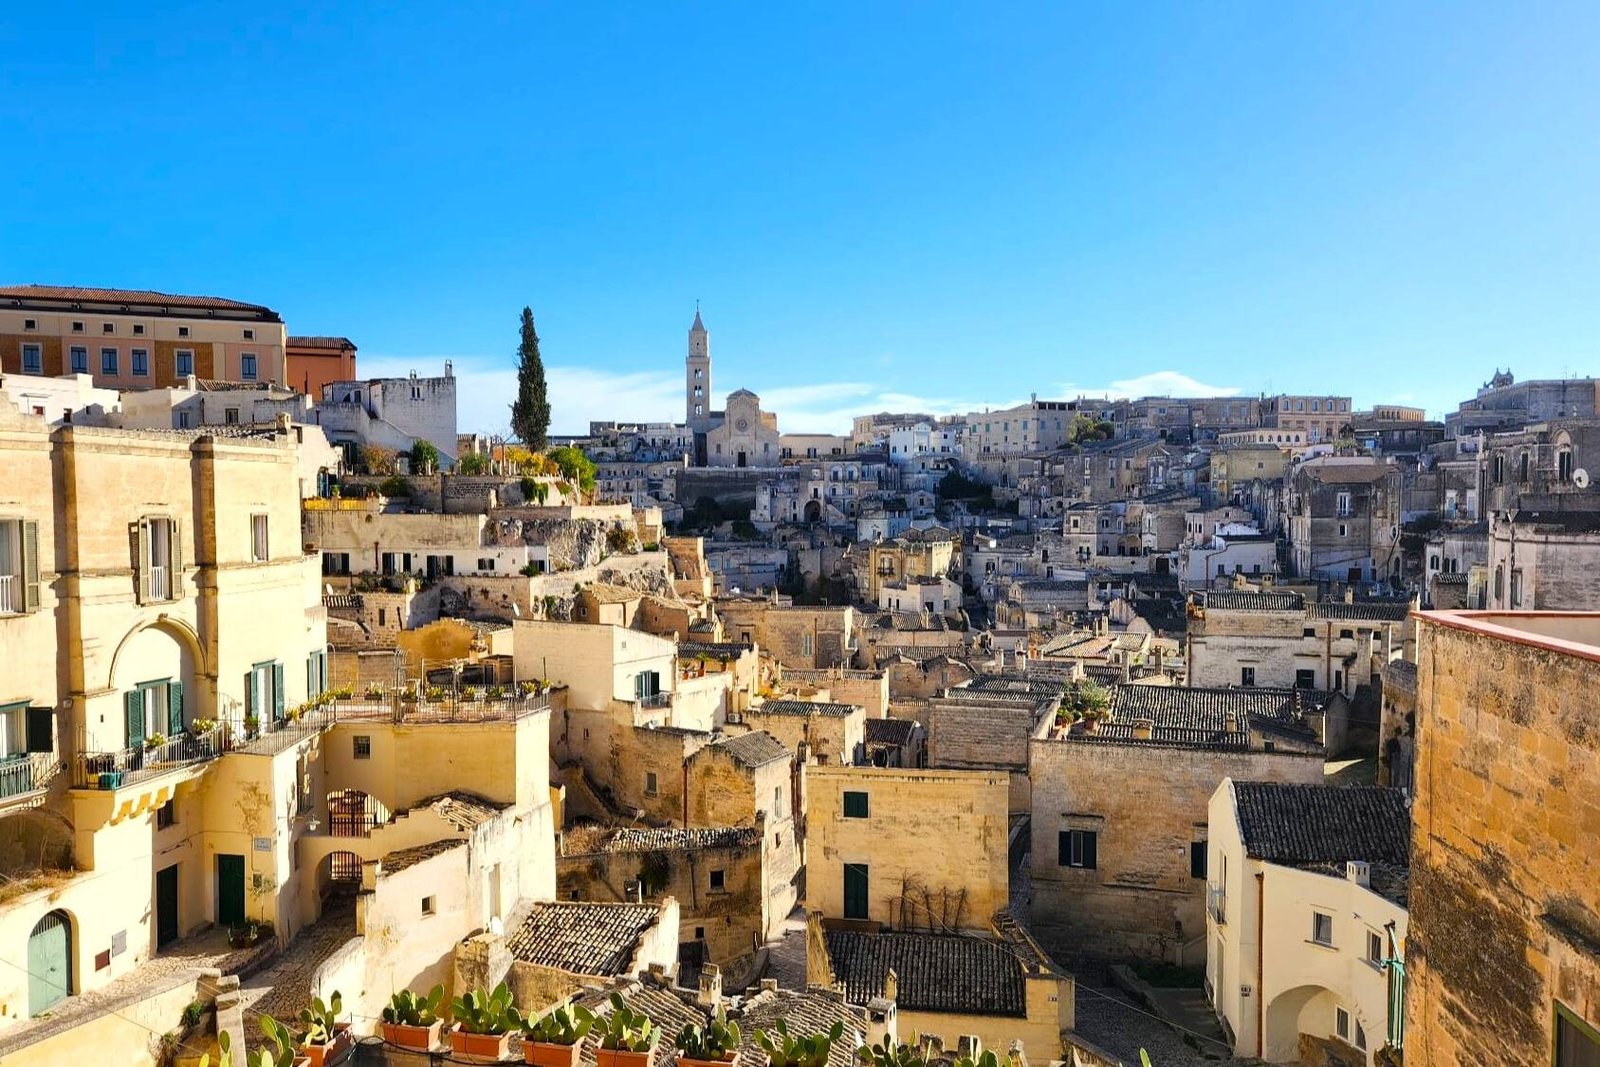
x=655, y=700
x=8, y=594
x=113, y=770
x=160, y=588
x=26, y=773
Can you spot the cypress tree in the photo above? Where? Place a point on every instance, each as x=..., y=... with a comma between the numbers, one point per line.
x=530, y=414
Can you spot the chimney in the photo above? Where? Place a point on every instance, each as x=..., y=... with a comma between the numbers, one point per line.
x=1349, y=594
x=710, y=995
x=1143, y=729
x=281, y=422
x=1359, y=872
x=891, y=986
x=1230, y=720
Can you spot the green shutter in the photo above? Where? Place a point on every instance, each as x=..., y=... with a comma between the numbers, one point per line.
x=277, y=692
x=134, y=703
x=174, y=708
x=252, y=693
x=41, y=729
x=30, y=566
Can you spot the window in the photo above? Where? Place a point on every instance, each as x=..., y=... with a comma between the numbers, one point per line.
x=1374, y=948
x=138, y=329
x=230, y=416
x=1343, y=530
x=1078, y=848
x=1577, y=1043
x=1347, y=635
x=1341, y=1024
x=140, y=359
x=80, y=359
x=1564, y=465
x=108, y=327
x=430, y=905
x=77, y=327
x=806, y=645
x=166, y=815
x=108, y=361
x=249, y=334
x=247, y=366
x=1247, y=676
x=1522, y=467
x=183, y=362
x=157, y=560
x=718, y=881
x=1361, y=1036
x=1499, y=583
x=1305, y=679
x=855, y=891
x=486, y=564
x=1321, y=928
x=32, y=359
x=1499, y=469
x=263, y=696
x=1197, y=859
x=183, y=331
x=1342, y=503
x=1308, y=632
x=362, y=746
x=1516, y=587
x=650, y=783
x=855, y=805
x=258, y=538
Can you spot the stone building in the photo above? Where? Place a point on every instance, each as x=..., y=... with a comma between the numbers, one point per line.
x=1322, y=418
x=1343, y=519
x=1545, y=556
x=391, y=413
x=1501, y=962
x=1503, y=403
x=806, y=637
x=730, y=900
x=746, y=437
x=1306, y=902
x=946, y=869
x=988, y=723
x=930, y=553
x=1119, y=825
x=829, y=731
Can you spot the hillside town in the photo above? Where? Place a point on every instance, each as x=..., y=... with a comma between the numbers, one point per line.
x=333, y=729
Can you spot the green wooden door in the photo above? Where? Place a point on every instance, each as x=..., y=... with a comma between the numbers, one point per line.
x=230, y=889
x=166, y=905
x=855, y=891
x=49, y=963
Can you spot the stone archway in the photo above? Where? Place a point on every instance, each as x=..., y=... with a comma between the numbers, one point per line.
x=1306, y=1009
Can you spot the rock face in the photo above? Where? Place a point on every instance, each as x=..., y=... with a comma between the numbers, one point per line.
x=574, y=544
x=652, y=580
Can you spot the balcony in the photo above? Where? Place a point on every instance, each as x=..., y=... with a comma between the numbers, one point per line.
x=656, y=700
x=22, y=776
x=9, y=600
x=114, y=770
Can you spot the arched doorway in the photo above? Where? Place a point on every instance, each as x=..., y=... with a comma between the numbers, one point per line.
x=49, y=962
x=1306, y=1009
x=813, y=511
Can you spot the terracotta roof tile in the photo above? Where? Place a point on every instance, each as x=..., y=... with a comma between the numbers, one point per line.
x=1297, y=824
x=583, y=937
x=959, y=973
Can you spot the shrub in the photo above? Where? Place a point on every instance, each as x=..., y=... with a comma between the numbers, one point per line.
x=473, y=464
x=394, y=485
x=491, y=1013
x=627, y=1030
x=378, y=460
x=563, y=1026
x=424, y=457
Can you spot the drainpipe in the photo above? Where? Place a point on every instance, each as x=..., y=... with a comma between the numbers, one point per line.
x=685, y=792
x=1261, y=963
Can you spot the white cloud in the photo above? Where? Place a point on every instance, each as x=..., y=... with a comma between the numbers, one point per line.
x=1156, y=383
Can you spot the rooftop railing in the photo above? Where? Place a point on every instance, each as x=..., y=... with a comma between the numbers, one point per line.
x=114, y=770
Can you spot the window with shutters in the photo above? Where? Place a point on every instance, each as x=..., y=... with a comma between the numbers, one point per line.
x=263, y=698
x=19, y=566
x=855, y=805
x=1577, y=1042
x=13, y=733
x=154, y=708
x=157, y=560
x=1078, y=848
x=258, y=538
x=1197, y=859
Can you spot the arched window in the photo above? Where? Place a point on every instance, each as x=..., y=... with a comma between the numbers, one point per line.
x=1522, y=467
x=1564, y=465
x=1499, y=469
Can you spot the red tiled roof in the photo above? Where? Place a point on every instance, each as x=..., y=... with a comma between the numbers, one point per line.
x=339, y=343
x=147, y=297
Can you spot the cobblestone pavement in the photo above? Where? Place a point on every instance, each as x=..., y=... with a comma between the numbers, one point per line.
x=1107, y=1018
x=786, y=960
x=285, y=987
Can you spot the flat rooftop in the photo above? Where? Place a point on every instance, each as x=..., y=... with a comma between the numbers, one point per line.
x=1572, y=633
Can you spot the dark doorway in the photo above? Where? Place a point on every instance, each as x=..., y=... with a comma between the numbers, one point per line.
x=741, y=459
x=166, y=905
x=230, y=889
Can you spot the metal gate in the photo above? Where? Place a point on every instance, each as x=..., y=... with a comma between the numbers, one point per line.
x=352, y=813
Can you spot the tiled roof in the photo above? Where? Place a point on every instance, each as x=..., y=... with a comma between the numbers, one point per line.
x=678, y=839
x=1361, y=610
x=583, y=937
x=1455, y=578
x=143, y=298
x=1575, y=522
x=754, y=749
x=1189, y=716
x=889, y=731
x=714, y=649
x=805, y=708
x=1000, y=684
x=606, y=593
x=401, y=858
x=464, y=811
x=1230, y=601
x=1297, y=824
x=953, y=973
x=335, y=343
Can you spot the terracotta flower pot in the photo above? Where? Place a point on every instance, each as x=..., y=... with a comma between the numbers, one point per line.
x=420, y=1038
x=689, y=1061
x=335, y=1051
x=611, y=1057
x=550, y=1054
x=480, y=1046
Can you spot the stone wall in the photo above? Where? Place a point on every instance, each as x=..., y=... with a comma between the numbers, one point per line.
x=1148, y=804
x=1505, y=876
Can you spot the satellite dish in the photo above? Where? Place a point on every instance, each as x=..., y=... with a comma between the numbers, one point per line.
x=1580, y=478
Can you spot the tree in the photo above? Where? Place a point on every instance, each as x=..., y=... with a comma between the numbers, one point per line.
x=473, y=463
x=424, y=457
x=574, y=466
x=530, y=414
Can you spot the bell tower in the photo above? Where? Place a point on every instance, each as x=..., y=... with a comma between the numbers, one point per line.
x=697, y=376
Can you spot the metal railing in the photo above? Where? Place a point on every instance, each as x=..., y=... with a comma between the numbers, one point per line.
x=8, y=594
x=159, y=587
x=270, y=736
x=655, y=700
x=114, y=770
x=26, y=773
x=451, y=706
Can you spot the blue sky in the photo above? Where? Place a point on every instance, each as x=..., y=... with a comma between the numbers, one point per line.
x=879, y=206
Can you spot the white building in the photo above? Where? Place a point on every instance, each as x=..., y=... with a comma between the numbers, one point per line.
x=1306, y=903
x=392, y=413
x=908, y=442
x=62, y=399
x=930, y=594
x=1234, y=549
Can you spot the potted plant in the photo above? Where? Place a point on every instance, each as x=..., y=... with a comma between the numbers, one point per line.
x=154, y=741
x=783, y=1049
x=201, y=727
x=374, y=692
x=484, y=1022
x=412, y=1021
x=252, y=726
x=916, y=1053
x=627, y=1037
x=556, y=1040
x=326, y=1040
x=711, y=1045
x=279, y=1049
